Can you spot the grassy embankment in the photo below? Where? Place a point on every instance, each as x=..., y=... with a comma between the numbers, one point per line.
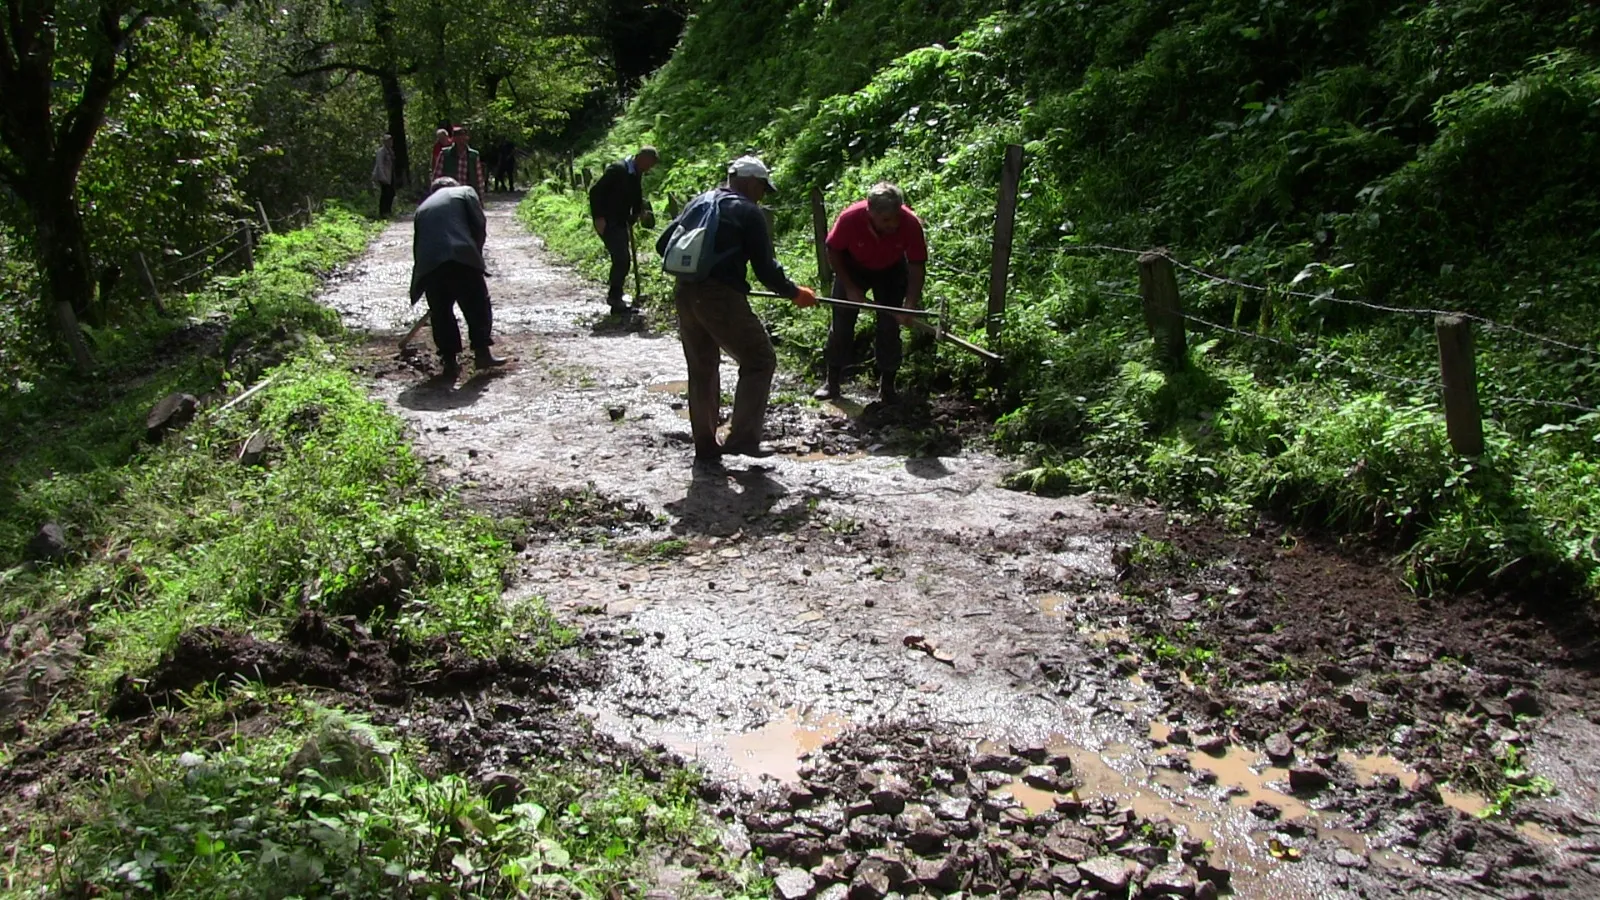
x=164, y=538
x=1418, y=156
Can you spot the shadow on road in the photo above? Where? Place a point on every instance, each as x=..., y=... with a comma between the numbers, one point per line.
x=747, y=500
x=441, y=392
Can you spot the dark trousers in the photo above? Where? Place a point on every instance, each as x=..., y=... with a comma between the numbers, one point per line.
x=455, y=284
x=712, y=318
x=616, y=241
x=885, y=287
x=385, y=200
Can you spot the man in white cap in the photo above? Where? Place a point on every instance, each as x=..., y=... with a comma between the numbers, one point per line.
x=714, y=312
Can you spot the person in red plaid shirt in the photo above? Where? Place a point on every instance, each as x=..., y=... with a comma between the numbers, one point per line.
x=461, y=162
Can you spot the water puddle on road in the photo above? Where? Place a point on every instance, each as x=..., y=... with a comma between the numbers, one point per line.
x=669, y=387
x=1371, y=767
x=777, y=747
x=1053, y=606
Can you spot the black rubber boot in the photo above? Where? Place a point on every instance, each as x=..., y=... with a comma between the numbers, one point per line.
x=485, y=359
x=447, y=362
x=830, y=387
x=886, y=390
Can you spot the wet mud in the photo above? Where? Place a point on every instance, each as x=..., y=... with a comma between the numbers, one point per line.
x=910, y=680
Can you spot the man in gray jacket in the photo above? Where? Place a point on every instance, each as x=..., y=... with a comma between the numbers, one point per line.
x=447, y=266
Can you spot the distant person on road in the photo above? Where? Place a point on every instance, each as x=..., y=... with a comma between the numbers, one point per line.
x=505, y=167
x=876, y=245
x=448, y=234
x=616, y=202
x=461, y=162
x=383, y=176
x=441, y=140
x=714, y=314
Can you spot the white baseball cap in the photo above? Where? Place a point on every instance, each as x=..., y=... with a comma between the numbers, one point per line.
x=751, y=167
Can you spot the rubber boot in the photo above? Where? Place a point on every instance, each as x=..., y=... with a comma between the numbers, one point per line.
x=886, y=390
x=484, y=358
x=830, y=387
x=447, y=362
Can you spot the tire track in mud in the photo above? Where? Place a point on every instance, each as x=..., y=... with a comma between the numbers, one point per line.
x=845, y=582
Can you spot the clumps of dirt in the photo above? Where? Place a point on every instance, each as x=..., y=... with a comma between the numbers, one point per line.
x=898, y=809
x=338, y=654
x=913, y=426
x=583, y=512
x=317, y=652
x=1453, y=686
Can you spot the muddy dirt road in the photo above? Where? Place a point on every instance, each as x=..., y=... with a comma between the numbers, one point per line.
x=1019, y=696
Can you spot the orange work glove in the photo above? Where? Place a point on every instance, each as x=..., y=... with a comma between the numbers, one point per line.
x=805, y=297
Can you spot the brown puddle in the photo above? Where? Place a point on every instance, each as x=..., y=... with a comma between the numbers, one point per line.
x=776, y=748
x=669, y=387
x=1053, y=605
x=1370, y=767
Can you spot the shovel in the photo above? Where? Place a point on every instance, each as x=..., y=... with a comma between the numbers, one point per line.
x=639, y=297
x=875, y=307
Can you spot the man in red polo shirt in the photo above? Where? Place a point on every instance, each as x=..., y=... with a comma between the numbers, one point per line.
x=875, y=245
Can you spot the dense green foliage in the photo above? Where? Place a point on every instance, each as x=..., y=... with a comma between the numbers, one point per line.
x=358, y=818
x=1417, y=156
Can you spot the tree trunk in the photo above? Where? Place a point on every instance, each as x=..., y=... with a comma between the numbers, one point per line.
x=63, y=248
x=394, y=103
x=394, y=98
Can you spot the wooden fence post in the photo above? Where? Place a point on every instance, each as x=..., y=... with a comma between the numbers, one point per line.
x=1459, y=371
x=1163, y=310
x=819, y=224
x=266, y=223
x=1005, y=218
x=246, y=242
x=150, y=282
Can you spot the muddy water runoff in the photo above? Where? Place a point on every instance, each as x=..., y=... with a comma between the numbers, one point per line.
x=768, y=610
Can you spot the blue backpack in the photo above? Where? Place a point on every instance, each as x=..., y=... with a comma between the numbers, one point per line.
x=690, y=252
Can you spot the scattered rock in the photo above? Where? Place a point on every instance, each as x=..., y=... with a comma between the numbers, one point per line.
x=1279, y=747
x=1523, y=702
x=1067, y=850
x=871, y=883
x=1045, y=779
x=501, y=789
x=889, y=796
x=1109, y=873
x=938, y=874
x=1308, y=778
x=1349, y=860
x=253, y=450
x=1170, y=880
x=998, y=762
x=339, y=754
x=954, y=809
x=48, y=544
x=174, y=411
x=795, y=884
x=1334, y=674
x=1213, y=744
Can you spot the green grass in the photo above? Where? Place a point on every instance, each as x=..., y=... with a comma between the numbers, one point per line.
x=329, y=805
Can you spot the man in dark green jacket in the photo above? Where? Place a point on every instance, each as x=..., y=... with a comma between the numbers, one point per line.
x=616, y=202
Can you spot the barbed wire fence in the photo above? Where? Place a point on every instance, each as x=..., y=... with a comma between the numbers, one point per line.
x=214, y=259
x=1167, y=319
